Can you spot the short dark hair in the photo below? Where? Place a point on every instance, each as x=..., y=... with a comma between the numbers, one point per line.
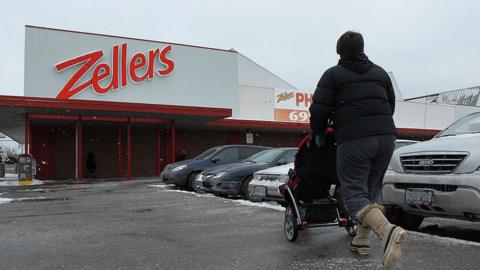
x=350, y=44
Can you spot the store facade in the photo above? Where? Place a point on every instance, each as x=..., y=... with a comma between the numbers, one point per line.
x=135, y=104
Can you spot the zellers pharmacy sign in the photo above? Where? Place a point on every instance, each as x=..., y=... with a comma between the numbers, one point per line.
x=117, y=71
x=292, y=105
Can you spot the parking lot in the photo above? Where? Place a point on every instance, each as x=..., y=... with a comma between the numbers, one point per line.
x=143, y=224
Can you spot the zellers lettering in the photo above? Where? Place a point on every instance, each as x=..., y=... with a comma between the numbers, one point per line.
x=104, y=70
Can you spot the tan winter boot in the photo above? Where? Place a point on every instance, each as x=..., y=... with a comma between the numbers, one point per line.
x=390, y=235
x=361, y=242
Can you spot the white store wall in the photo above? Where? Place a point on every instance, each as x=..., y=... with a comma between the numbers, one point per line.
x=256, y=90
x=428, y=116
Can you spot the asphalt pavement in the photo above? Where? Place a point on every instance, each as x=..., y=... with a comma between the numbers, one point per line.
x=143, y=224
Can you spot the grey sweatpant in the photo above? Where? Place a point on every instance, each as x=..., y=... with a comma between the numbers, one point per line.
x=361, y=166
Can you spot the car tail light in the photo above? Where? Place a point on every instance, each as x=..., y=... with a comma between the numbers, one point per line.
x=282, y=189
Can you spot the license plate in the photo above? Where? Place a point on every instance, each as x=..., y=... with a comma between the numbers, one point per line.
x=419, y=197
x=260, y=191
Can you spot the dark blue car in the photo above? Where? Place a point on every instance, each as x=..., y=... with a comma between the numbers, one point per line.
x=233, y=179
x=183, y=173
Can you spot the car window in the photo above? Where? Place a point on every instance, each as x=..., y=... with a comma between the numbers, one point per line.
x=228, y=155
x=206, y=154
x=289, y=156
x=266, y=156
x=466, y=125
x=246, y=152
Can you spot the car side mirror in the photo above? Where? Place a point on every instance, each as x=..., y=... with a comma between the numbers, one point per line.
x=215, y=159
x=282, y=162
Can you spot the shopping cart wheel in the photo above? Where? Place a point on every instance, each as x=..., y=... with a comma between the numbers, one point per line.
x=290, y=225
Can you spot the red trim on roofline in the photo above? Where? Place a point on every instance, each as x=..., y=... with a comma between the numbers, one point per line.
x=149, y=120
x=36, y=102
x=138, y=39
x=104, y=118
x=54, y=117
x=259, y=124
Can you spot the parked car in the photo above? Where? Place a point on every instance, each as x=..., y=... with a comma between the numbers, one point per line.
x=265, y=183
x=183, y=173
x=402, y=143
x=439, y=177
x=233, y=179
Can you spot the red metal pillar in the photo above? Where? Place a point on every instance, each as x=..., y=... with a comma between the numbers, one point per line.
x=119, y=152
x=172, y=142
x=159, y=154
x=129, y=149
x=28, y=136
x=79, y=151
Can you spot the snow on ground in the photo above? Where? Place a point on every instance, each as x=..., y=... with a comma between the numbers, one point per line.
x=5, y=200
x=443, y=239
x=30, y=199
x=166, y=188
x=15, y=183
x=163, y=186
x=33, y=190
x=261, y=205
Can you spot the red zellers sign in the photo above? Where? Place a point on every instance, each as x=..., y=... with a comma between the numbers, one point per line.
x=102, y=71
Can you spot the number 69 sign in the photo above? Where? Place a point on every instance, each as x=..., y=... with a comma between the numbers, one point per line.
x=292, y=115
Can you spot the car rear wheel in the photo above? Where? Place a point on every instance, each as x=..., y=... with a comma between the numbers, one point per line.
x=246, y=195
x=191, y=181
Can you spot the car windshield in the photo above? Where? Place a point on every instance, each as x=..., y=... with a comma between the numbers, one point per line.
x=468, y=124
x=266, y=156
x=206, y=154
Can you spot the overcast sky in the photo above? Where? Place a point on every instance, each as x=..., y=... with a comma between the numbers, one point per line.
x=430, y=46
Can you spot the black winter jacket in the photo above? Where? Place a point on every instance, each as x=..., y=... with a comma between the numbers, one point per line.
x=360, y=97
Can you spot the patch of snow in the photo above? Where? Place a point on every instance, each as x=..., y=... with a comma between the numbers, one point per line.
x=261, y=205
x=5, y=200
x=32, y=190
x=204, y=195
x=180, y=191
x=16, y=183
x=30, y=199
x=444, y=240
x=166, y=188
x=159, y=186
x=170, y=188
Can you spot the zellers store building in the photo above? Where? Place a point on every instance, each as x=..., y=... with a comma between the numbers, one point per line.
x=136, y=103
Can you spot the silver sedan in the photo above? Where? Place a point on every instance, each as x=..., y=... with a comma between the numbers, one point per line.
x=264, y=185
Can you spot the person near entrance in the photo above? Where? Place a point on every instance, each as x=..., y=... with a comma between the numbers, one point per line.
x=181, y=156
x=358, y=96
x=90, y=165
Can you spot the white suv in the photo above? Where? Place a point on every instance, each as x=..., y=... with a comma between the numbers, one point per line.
x=439, y=177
